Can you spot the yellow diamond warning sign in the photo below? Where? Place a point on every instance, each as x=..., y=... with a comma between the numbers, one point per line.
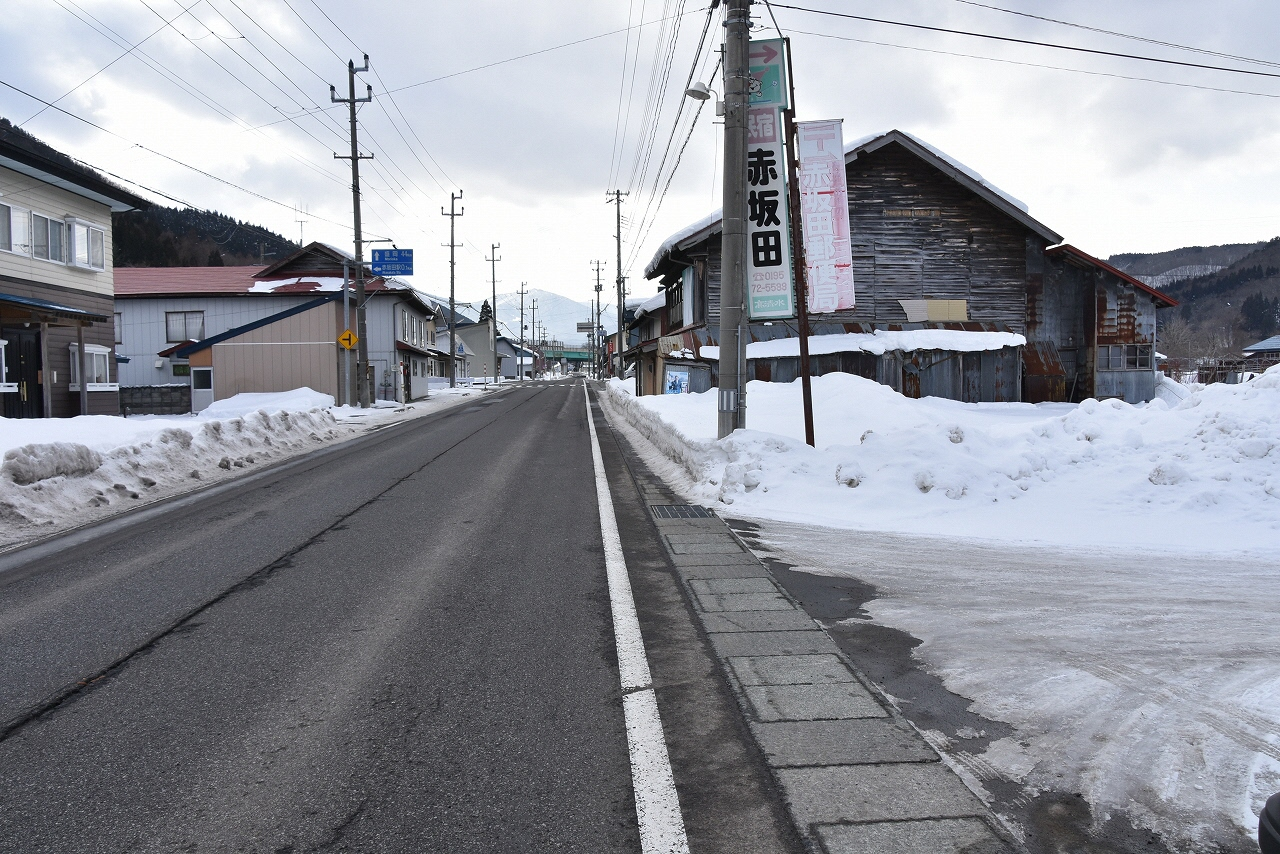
x=348, y=339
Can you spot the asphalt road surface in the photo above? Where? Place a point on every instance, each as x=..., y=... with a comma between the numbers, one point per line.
x=400, y=644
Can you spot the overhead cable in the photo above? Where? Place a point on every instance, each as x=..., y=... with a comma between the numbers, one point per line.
x=1032, y=42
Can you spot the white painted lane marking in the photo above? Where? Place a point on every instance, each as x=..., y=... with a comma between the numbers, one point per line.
x=657, y=805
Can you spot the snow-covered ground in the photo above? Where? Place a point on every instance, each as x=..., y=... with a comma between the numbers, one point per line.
x=58, y=473
x=1100, y=576
x=1201, y=473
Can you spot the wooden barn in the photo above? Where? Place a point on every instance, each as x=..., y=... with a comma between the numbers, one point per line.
x=935, y=247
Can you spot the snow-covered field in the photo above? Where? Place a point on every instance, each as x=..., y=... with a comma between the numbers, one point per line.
x=1103, y=576
x=58, y=473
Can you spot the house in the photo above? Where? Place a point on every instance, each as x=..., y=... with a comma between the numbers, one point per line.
x=56, y=282
x=162, y=311
x=959, y=295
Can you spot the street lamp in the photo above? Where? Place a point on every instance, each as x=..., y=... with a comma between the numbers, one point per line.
x=701, y=92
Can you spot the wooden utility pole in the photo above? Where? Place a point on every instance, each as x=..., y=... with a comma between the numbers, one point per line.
x=533, y=322
x=493, y=305
x=797, y=252
x=452, y=244
x=622, y=288
x=362, y=339
x=733, y=236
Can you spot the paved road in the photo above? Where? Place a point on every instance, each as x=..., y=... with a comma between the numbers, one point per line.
x=401, y=644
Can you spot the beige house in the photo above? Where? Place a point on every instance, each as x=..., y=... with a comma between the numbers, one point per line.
x=56, y=285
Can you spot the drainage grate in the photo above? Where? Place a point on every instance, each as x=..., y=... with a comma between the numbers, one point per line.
x=680, y=511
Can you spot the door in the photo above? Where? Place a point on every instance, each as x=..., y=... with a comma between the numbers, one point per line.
x=22, y=363
x=201, y=388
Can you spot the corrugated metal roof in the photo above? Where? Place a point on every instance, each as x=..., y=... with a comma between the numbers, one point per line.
x=1068, y=249
x=1267, y=345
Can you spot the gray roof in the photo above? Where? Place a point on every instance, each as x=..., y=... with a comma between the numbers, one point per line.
x=1267, y=345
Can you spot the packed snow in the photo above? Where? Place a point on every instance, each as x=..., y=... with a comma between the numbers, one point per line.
x=1097, y=575
x=879, y=342
x=1200, y=473
x=57, y=473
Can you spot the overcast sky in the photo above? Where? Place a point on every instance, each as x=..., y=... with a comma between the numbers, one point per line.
x=1114, y=164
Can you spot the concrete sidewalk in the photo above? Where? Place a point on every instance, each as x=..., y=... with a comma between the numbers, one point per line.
x=856, y=776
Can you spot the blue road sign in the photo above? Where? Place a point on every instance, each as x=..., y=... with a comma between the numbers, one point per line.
x=393, y=262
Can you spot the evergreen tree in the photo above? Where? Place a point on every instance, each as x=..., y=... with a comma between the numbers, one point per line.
x=215, y=258
x=485, y=312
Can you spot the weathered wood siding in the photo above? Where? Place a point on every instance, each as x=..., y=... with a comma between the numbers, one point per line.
x=953, y=245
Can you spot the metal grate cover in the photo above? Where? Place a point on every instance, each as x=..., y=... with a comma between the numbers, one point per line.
x=680, y=511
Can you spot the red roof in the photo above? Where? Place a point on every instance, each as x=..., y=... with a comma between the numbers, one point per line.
x=214, y=281
x=1068, y=249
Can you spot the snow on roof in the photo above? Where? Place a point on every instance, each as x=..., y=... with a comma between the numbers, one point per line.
x=214, y=281
x=312, y=284
x=879, y=342
x=653, y=303
x=948, y=159
x=683, y=234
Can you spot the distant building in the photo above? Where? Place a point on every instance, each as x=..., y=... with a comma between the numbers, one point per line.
x=290, y=310
x=56, y=282
x=935, y=248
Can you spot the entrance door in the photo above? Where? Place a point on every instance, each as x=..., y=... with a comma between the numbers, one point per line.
x=201, y=388
x=22, y=362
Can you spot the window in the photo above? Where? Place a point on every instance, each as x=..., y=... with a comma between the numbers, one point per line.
x=404, y=325
x=119, y=323
x=181, y=369
x=1124, y=357
x=99, y=368
x=88, y=246
x=183, y=326
x=15, y=229
x=47, y=238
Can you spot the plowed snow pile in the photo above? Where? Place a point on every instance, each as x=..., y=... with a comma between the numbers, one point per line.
x=59, y=472
x=1203, y=473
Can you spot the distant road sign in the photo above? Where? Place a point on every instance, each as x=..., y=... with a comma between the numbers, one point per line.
x=348, y=339
x=393, y=262
x=586, y=327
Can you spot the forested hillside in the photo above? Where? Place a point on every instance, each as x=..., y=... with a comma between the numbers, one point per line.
x=174, y=237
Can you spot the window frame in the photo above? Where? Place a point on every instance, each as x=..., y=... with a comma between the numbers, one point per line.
x=94, y=352
x=186, y=326
x=91, y=246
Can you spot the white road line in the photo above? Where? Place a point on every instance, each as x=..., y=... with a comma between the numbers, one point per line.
x=657, y=805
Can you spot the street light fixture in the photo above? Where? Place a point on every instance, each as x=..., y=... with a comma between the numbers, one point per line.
x=701, y=92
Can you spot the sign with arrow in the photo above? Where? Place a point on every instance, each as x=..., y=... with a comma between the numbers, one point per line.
x=348, y=339
x=392, y=262
x=768, y=85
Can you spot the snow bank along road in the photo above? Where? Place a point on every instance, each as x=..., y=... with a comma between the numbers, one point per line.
x=400, y=644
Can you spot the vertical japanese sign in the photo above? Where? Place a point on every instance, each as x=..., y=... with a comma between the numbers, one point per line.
x=824, y=215
x=770, y=294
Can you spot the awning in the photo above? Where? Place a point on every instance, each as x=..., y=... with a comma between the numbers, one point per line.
x=16, y=309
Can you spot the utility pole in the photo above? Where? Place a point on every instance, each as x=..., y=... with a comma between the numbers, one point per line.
x=533, y=322
x=453, y=346
x=520, y=355
x=595, y=318
x=797, y=253
x=622, y=296
x=733, y=236
x=362, y=340
x=493, y=304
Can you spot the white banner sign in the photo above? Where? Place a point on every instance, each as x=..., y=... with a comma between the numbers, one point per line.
x=824, y=216
x=770, y=294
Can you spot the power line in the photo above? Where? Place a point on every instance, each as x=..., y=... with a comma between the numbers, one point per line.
x=1174, y=45
x=1035, y=64
x=160, y=154
x=1032, y=42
